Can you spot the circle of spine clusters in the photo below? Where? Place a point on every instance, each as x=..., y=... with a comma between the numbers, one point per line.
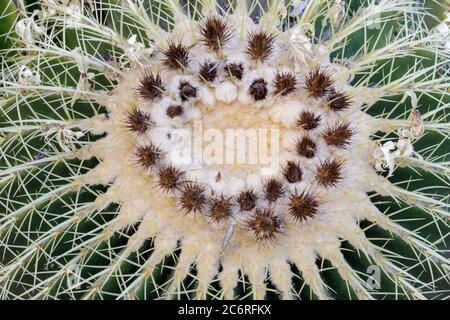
x=215, y=78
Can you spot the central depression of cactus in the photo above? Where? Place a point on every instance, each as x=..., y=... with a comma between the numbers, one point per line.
x=219, y=219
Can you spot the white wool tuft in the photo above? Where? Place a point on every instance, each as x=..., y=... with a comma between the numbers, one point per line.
x=226, y=92
x=206, y=96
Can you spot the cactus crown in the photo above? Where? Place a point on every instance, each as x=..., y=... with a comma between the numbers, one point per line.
x=100, y=99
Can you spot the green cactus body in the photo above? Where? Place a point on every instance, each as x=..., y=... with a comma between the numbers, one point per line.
x=118, y=179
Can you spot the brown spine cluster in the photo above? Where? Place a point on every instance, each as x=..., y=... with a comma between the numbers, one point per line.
x=329, y=172
x=176, y=56
x=174, y=111
x=150, y=86
x=170, y=178
x=215, y=32
x=318, y=83
x=265, y=225
x=273, y=190
x=303, y=206
x=306, y=147
x=338, y=101
x=292, y=172
x=247, y=200
x=308, y=120
x=192, y=198
x=220, y=208
x=187, y=90
x=137, y=121
x=208, y=71
x=338, y=135
x=284, y=83
x=258, y=89
x=148, y=155
x=235, y=70
x=260, y=45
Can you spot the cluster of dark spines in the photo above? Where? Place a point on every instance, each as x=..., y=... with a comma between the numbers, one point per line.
x=292, y=172
x=338, y=101
x=208, y=71
x=193, y=197
x=265, y=225
x=260, y=45
x=246, y=200
x=215, y=32
x=284, y=83
x=137, y=121
x=273, y=190
x=303, y=206
x=174, y=111
x=235, y=70
x=170, y=178
x=307, y=120
x=258, y=89
x=187, y=90
x=306, y=147
x=338, y=135
x=318, y=83
x=220, y=208
x=150, y=86
x=148, y=155
x=329, y=172
x=176, y=56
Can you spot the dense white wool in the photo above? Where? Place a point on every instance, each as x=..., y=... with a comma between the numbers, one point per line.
x=159, y=115
x=226, y=92
x=207, y=96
